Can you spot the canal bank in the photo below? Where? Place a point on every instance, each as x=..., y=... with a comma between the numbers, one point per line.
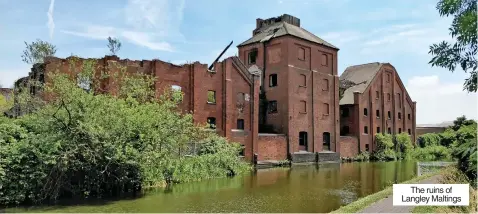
x=300, y=188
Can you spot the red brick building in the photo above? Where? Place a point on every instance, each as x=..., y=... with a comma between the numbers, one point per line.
x=299, y=81
x=374, y=101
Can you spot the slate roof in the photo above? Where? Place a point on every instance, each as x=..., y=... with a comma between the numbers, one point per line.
x=362, y=76
x=281, y=29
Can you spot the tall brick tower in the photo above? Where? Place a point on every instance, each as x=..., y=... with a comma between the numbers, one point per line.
x=299, y=85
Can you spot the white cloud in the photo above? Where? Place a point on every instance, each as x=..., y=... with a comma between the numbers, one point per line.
x=51, y=23
x=146, y=40
x=94, y=32
x=438, y=102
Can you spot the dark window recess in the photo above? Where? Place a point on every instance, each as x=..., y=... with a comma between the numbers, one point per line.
x=377, y=95
x=365, y=129
x=345, y=130
x=388, y=97
x=367, y=148
x=377, y=113
x=409, y=116
x=240, y=124
x=212, y=122
x=252, y=56
x=302, y=138
x=365, y=112
x=273, y=80
x=378, y=129
x=389, y=114
x=211, y=97
x=389, y=130
x=399, y=115
x=345, y=112
x=399, y=130
x=272, y=107
x=409, y=131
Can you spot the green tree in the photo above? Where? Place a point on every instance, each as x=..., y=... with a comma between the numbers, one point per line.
x=463, y=52
x=5, y=103
x=114, y=45
x=461, y=121
x=37, y=51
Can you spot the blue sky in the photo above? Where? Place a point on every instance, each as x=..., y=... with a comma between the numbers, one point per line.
x=179, y=31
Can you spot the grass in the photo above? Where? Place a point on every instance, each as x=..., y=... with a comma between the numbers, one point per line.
x=366, y=201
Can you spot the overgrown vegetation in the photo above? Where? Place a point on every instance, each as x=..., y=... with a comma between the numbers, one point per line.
x=385, y=149
x=83, y=143
x=35, y=52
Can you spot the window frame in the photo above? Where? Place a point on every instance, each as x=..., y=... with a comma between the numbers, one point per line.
x=271, y=78
x=240, y=122
x=214, y=97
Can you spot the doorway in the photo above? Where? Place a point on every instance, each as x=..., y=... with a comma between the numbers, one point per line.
x=326, y=141
x=302, y=141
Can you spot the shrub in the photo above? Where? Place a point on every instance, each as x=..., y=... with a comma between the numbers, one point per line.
x=404, y=145
x=465, y=151
x=384, y=150
x=431, y=153
x=363, y=156
x=447, y=138
x=428, y=139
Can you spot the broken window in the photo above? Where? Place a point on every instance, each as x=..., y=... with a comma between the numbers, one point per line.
x=345, y=112
x=212, y=122
x=240, y=124
x=272, y=107
x=176, y=88
x=211, y=97
x=301, y=54
x=399, y=115
x=399, y=130
x=242, y=152
x=303, y=106
x=303, y=80
x=252, y=56
x=388, y=97
x=345, y=130
x=84, y=82
x=365, y=129
x=273, y=80
x=389, y=130
x=409, y=131
x=367, y=148
x=365, y=112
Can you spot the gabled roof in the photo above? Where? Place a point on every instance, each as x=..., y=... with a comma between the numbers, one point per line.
x=281, y=29
x=359, y=75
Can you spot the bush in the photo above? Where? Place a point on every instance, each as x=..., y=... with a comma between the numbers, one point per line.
x=404, y=145
x=428, y=139
x=363, y=156
x=384, y=150
x=465, y=151
x=431, y=153
x=447, y=138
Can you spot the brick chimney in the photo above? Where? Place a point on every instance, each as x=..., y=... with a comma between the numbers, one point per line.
x=261, y=23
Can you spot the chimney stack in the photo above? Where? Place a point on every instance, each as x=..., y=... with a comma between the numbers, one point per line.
x=260, y=23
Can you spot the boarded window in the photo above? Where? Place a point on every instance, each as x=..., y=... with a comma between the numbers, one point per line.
x=272, y=107
x=211, y=97
x=303, y=80
x=388, y=97
x=365, y=112
x=325, y=85
x=324, y=60
x=273, y=80
x=252, y=56
x=301, y=54
x=303, y=106
x=365, y=129
x=326, y=109
x=240, y=124
x=212, y=122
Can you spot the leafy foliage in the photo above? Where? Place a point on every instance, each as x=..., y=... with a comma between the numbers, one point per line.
x=463, y=52
x=465, y=150
x=86, y=144
x=428, y=139
x=5, y=104
x=114, y=45
x=37, y=51
x=460, y=122
x=404, y=145
x=384, y=147
x=432, y=153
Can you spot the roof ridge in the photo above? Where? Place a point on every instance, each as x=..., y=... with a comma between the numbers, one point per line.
x=359, y=65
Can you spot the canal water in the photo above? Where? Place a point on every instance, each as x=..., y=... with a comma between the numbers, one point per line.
x=305, y=188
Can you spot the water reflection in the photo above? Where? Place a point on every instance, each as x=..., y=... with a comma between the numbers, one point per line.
x=303, y=188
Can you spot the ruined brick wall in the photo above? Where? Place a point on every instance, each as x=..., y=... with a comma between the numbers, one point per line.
x=229, y=78
x=348, y=146
x=272, y=147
